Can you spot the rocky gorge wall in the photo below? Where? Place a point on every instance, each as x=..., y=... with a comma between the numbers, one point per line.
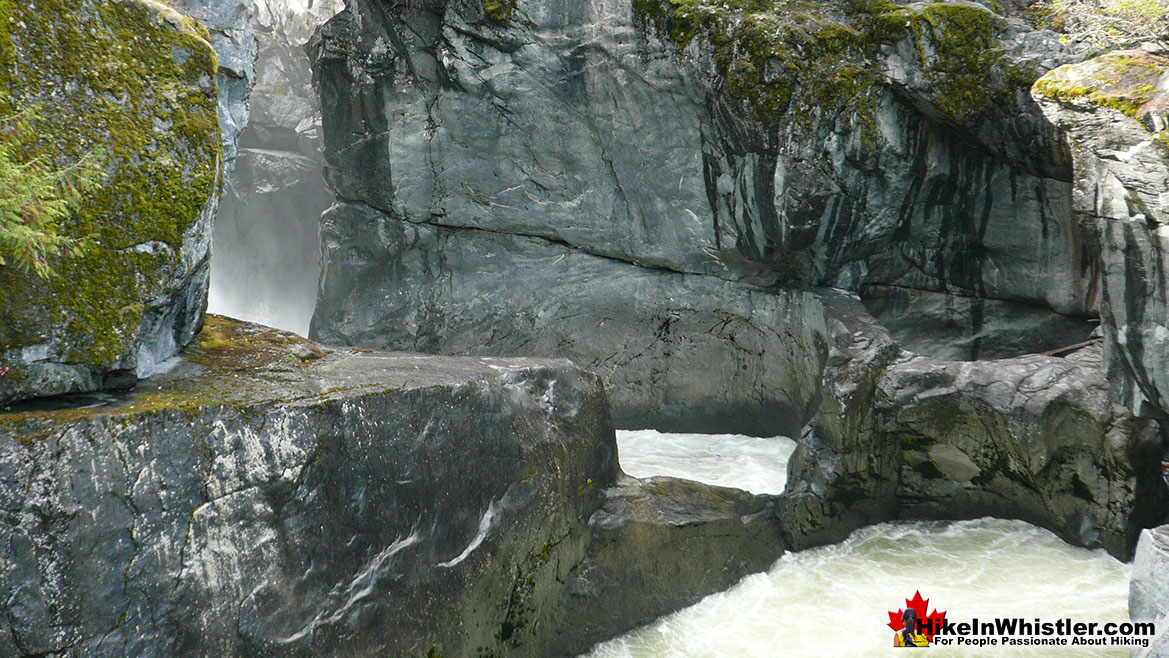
x=692, y=140
x=266, y=245
x=661, y=192
x=607, y=180
x=1115, y=111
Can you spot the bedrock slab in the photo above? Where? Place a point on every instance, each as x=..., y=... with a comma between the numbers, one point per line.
x=677, y=352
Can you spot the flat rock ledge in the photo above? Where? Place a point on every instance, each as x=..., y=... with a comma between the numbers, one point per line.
x=267, y=496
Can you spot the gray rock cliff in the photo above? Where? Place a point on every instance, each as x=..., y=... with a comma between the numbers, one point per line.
x=638, y=137
x=660, y=192
x=235, y=46
x=1115, y=111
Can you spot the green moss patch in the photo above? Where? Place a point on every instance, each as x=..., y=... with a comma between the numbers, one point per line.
x=792, y=60
x=498, y=10
x=132, y=81
x=227, y=345
x=225, y=349
x=1125, y=81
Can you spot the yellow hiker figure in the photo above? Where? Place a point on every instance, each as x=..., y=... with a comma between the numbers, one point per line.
x=908, y=636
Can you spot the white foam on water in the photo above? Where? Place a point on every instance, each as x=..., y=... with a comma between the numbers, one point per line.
x=834, y=600
x=728, y=460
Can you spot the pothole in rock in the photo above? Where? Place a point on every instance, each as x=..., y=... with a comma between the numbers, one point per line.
x=726, y=460
x=957, y=328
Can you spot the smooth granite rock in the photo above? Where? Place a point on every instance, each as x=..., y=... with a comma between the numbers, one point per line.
x=270, y=497
x=871, y=145
x=680, y=352
x=1035, y=438
x=1115, y=111
x=130, y=85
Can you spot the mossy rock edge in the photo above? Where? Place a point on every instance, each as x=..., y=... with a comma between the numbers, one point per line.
x=131, y=82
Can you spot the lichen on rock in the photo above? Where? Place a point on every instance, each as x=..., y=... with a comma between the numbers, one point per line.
x=131, y=82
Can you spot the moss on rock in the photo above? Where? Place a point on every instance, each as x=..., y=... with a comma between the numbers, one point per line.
x=1125, y=80
x=498, y=10
x=789, y=59
x=132, y=82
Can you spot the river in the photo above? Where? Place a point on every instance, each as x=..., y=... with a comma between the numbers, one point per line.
x=834, y=600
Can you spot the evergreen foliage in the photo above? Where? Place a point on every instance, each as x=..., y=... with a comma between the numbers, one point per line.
x=36, y=197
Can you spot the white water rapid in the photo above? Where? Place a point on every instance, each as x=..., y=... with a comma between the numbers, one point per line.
x=834, y=600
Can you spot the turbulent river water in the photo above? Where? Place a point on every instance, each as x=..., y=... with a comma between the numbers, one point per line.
x=834, y=600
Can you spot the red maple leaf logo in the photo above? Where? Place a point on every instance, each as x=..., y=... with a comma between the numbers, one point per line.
x=930, y=623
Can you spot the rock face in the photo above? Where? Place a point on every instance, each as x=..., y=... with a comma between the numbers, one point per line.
x=265, y=252
x=1147, y=595
x=645, y=330
x=659, y=545
x=497, y=169
x=1115, y=109
x=132, y=84
x=268, y=497
x=1034, y=438
x=646, y=137
x=235, y=46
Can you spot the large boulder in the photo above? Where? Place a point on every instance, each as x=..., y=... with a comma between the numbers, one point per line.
x=659, y=545
x=1115, y=111
x=908, y=436
x=132, y=84
x=269, y=497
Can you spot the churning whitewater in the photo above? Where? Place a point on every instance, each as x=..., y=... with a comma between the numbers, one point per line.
x=834, y=600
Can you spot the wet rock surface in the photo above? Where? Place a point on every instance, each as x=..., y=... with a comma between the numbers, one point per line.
x=658, y=545
x=626, y=132
x=644, y=330
x=269, y=497
x=129, y=87
x=1115, y=109
x=1035, y=438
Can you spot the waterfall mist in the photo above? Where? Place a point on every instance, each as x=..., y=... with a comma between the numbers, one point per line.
x=265, y=248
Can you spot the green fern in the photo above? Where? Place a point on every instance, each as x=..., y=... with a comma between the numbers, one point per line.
x=36, y=198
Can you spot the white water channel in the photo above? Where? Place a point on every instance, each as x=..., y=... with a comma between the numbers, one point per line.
x=834, y=600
